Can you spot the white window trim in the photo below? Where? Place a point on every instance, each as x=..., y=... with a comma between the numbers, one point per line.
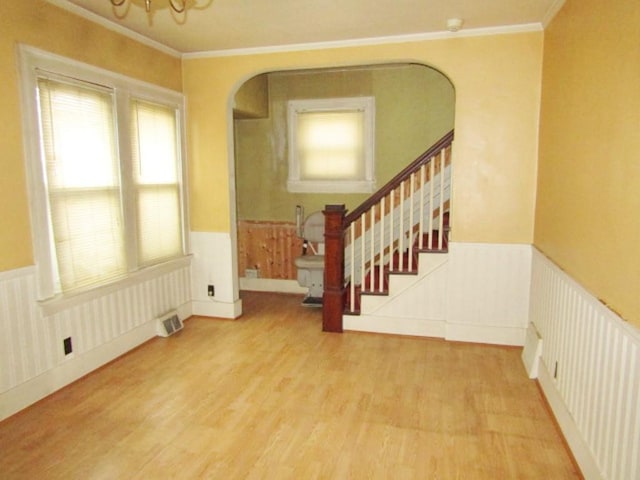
x=31, y=62
x=366, y=185
x=52, y=306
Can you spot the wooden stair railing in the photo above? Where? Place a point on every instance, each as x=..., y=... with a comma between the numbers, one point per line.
x=334, y=294
x=385, y=233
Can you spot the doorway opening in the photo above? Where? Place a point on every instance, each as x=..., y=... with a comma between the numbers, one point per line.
x=414, y=107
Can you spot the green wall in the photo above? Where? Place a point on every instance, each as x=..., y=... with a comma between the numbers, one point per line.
x=414, y=108
x=252, y=99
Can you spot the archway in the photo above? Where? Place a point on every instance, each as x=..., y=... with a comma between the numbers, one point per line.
x=414, y=106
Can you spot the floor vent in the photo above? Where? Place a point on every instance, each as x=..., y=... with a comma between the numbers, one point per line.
x=168, y=324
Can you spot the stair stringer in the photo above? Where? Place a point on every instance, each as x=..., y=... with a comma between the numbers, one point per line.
x=416, y=304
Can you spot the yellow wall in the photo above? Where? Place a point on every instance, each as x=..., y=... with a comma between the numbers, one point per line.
x=497, y=83
x=39, y=24
x=588, y=203
x=413, y=109
x=252, y=99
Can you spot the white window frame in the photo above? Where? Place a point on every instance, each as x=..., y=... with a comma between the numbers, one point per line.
x=32, y=63
x=365, y=185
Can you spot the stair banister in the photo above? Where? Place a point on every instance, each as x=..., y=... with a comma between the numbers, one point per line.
x=391, y=184
x=337, y=222
x=333, y=297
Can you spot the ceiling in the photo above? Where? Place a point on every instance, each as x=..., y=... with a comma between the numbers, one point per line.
x=256, y=24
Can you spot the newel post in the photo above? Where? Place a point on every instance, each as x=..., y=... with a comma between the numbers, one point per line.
x=334, y=293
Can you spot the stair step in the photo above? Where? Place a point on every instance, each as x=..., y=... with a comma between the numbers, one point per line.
x=347, y=304
x=430, y=242
x=377, y=286
x=429, y=245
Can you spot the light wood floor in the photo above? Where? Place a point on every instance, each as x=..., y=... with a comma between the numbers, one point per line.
x=269, y=396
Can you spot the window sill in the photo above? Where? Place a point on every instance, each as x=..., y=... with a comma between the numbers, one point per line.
x=59, y=303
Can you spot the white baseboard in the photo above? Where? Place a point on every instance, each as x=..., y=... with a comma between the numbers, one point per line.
x=396, y=326
x=69, y=371
x=420, y=327
x=493, y=335
x=185, y=310
x=214, y=308
x=570, y=430
x=271, y=285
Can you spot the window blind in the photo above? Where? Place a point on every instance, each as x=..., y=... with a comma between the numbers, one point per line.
x=156, y=173
x=331, y=145
x=83, y=182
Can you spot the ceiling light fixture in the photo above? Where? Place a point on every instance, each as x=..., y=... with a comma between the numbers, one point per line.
x=177, y=6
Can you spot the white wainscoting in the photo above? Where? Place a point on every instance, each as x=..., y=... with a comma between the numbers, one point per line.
x=32, y=359
x=213, y=264
x=480, y=294
x=416, y=304
x=272, y=285
x=589, y=372
x=488, y=292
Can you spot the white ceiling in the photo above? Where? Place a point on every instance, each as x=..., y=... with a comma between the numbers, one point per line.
x=255, y=24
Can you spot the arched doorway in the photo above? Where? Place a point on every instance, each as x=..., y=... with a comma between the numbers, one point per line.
x=414, y=106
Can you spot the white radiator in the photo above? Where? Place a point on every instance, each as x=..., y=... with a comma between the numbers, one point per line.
x=590, y=371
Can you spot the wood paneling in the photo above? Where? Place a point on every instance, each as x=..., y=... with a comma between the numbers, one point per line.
x=270, y=247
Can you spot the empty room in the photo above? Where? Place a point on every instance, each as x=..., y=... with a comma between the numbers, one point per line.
x=322, y=240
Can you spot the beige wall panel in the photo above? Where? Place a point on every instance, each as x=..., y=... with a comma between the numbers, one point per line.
x=497, y=87
x=588, y=203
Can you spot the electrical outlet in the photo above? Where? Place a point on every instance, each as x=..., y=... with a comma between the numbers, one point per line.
x=211, y=291
x=68, y=347
x=251, y=273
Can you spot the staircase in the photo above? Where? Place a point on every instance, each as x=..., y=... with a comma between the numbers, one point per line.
x=387, y=236
x=376, y=281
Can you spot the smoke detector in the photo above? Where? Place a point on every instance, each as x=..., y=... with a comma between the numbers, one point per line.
x=454, y=24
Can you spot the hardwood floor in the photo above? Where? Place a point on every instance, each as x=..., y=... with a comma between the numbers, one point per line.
x=271, y=396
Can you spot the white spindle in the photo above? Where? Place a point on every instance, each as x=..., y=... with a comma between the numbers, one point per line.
x=352, y=272
x=412, y=179
x=391, y=223
x=381, y=250
x=362, y=251
x=372, y=252
x=401, y=229
x=421, y=227
x=441, y=227
x=432, y=174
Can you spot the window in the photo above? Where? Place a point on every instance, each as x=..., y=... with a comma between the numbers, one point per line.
x=331, y=145
x=105, y=173
x=83, y=185
x=156, y=179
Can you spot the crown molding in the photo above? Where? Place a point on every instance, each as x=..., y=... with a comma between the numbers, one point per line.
x=418, y=37
x=551, y=12
x=232, y=52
